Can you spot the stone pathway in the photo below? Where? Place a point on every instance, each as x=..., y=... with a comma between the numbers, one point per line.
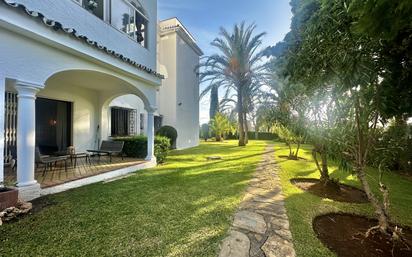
x=261, y=226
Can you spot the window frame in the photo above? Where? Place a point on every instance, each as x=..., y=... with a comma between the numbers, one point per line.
x=107, y=18
x=128, y=121
x=146, y=39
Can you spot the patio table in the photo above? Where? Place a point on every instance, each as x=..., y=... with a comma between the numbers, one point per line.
x=75, y=156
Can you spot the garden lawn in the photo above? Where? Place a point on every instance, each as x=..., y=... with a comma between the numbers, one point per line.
x=182, y=208
x=303, y=207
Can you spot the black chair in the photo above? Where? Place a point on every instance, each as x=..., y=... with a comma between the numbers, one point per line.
x=48, y=161
x=109, y=148
x=10, y=158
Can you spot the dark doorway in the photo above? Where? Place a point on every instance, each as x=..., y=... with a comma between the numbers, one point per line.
x=53, y=125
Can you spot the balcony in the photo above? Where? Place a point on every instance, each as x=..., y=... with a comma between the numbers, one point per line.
x=127, y=16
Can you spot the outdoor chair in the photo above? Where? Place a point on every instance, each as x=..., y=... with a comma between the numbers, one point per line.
x=10, y=159
x=109, y=148
x=48, y=161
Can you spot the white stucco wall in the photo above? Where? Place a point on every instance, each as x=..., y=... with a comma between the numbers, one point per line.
x=179, y=94
x=66, y=75
x=71, y=15
x=167, y=93
x=187, y=96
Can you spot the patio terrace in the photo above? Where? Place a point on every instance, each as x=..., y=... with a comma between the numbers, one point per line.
x=58, y=175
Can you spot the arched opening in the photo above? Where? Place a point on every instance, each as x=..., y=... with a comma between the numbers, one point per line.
x=126, y=116
x=81, y=99
x=67, y=121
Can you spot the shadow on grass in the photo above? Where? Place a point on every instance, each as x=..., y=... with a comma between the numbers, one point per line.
x=168, y=211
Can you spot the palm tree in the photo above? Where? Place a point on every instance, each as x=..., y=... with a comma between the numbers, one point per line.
x=237, y=66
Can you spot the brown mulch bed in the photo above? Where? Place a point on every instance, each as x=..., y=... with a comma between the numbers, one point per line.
x=344, y=234
x=334, y=191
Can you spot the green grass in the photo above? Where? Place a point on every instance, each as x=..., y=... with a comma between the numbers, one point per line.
x=302, y=206
x=182, y=208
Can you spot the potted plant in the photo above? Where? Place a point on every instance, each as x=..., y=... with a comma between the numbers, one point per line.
x=8, y=196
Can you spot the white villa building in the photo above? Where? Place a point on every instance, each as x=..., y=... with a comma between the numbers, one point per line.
x=78, y=72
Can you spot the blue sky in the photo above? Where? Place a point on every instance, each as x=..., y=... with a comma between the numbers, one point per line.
x=203, y=18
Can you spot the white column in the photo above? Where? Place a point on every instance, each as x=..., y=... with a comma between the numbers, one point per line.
x=2, y=112
x=150, y=134
x=26, y=138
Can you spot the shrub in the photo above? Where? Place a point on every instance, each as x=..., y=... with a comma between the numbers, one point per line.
x=394, y=148
x=169, y=132
x=262, y=136
x=136, y=147
x=221, y=126
x=162, y=148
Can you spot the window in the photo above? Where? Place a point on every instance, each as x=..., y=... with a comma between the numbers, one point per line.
x=97, y=7
x=123, y=122
x=141, y=121
x=128, y=16
x=158, y=121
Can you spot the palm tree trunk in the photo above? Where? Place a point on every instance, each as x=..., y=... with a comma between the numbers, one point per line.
x=246, y=129
x=240, y=117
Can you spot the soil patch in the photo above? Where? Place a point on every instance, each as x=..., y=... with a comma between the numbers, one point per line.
x=344, y=234
x=287, y=157
x=336, y=192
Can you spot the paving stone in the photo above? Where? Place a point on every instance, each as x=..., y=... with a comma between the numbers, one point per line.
x=250, y=221
x=262, y=218
x=280, y=213
x=236, y=244
x=277, y=247
x=264, y=192
x=279, y=223
x=276, y=207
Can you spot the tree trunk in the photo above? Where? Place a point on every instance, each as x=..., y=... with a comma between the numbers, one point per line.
x=360, y=156
x=240, y=117
x=246, y=129
x=378, y=206
x=290, y=149
x=297, y=150
x=324, y=171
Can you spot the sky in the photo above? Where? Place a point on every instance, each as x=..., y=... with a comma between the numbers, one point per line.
x=203, y=18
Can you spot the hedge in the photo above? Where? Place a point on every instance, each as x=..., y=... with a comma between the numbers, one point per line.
x=262, y=136
x=136, y=147
x=252, y=136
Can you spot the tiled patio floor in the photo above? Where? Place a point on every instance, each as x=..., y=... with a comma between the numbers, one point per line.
x=58, y=175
